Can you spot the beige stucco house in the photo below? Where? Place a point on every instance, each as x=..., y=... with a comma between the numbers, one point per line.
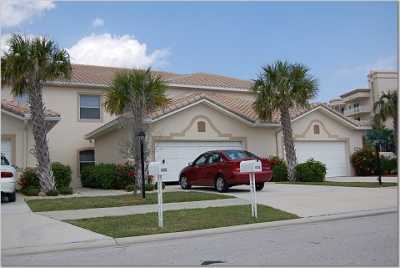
x=205, y=112
x=16, y=132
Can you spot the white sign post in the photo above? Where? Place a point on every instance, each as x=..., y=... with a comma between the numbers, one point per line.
x=252, y=167
x=157, y=170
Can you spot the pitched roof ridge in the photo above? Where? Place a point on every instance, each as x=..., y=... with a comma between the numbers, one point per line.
x=119, y=68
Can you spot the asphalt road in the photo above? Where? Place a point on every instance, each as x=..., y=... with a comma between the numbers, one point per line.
x=366, y=241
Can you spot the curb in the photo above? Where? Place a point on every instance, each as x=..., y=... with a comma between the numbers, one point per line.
x=248, y=227
x=58, y=247
x=186, y=234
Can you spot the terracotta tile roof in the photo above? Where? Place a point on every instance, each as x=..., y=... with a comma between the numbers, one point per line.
x=210, y=80
x=239, y=106
x=102, y=76
x=22, y=110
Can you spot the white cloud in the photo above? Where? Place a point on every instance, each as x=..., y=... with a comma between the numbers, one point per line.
x=97, y=22
x=4, y=43
x=14, y=12
x=115, y=51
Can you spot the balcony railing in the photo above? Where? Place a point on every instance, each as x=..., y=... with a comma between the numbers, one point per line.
x=357, y=110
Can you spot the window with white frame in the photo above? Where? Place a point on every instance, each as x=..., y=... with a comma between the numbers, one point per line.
x=89, y=107
x=86, y=158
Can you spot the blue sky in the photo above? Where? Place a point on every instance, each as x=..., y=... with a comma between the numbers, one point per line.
x=339, y=41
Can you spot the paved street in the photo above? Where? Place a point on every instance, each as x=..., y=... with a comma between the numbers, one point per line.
x=370, y=240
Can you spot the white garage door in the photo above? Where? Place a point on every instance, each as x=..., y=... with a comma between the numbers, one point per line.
x=179, y=154
x=6, y=149
x=332, y=154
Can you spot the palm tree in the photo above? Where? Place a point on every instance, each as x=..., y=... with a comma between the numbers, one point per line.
x=280, y=87
x=134, y=93
x=26, y=66
x=386, y=107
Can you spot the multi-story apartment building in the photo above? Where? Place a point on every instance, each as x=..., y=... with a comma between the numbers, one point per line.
x=358, y=103
x=205, y=112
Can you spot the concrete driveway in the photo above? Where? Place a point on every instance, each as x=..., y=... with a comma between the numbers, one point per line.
x=24, y=231
x=310, y=200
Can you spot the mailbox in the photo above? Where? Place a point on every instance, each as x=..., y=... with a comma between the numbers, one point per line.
x=250, y=166
x=154, y=169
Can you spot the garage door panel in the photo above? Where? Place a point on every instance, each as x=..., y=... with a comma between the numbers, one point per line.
x=179, y=154
x=331, y=153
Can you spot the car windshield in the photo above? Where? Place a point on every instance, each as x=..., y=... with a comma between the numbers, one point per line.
x=4, y=161
x=238, y=155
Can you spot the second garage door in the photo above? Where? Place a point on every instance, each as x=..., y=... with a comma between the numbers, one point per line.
x=331, y=153
x=178, y=153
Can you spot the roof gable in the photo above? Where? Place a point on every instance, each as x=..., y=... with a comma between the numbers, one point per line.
x=237, y=107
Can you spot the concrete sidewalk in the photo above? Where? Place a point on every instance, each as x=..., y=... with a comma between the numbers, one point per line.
x=24, y=231
x=138, y=209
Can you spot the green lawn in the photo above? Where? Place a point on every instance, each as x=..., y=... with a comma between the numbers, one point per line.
x=345, y=184
x=180, y=220
x=117, y=201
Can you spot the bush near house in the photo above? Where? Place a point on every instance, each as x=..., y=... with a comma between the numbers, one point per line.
x=389, y=166
x=30, y=185
x=279, y=169
x=108, y=176
x=311, y=171
x=365, y=163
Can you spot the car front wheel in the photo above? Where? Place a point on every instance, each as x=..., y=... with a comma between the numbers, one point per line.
x=220, y=184
x=259, y=186
x=183, y=181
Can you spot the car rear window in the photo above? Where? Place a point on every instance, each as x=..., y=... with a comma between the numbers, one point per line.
x=4, y=161
x=238, y=155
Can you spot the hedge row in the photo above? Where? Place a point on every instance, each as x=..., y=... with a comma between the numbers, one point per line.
x=365, y=163
x=30, y=185
x=310, y=170
x=108, y=176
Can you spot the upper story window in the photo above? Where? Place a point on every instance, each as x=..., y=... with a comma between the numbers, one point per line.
x=356, y=106
x=22, y=99
x=89, y=107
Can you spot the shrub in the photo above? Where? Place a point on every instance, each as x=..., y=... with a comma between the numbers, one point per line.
x=29, y=178
x=389, y=166
x=311, y=170
x=65, y=190
x=107, y=176
x=364, y=161
x=52, y=193
x=130, y=187
x=279, y=169
x=280, y=172
x=62, y=174
x=30, y=190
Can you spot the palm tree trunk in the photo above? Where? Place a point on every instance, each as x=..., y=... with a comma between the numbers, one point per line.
x=39, y=129
x=288, y=142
